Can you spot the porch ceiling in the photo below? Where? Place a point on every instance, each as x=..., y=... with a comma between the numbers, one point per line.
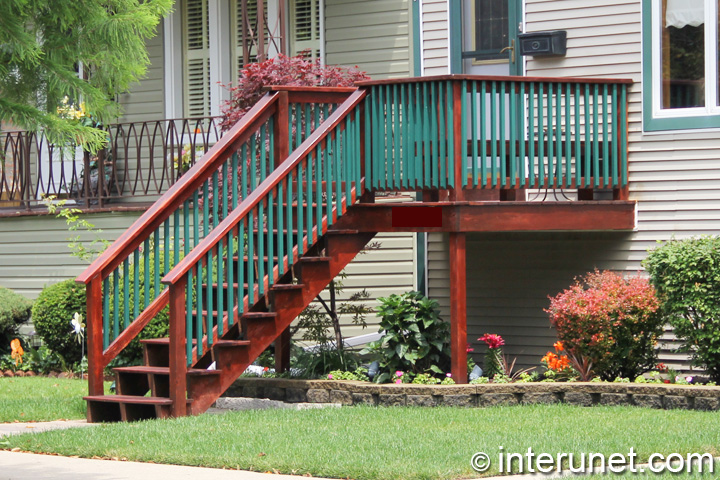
x=490, y=216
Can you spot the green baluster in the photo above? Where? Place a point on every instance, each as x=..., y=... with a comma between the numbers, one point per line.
x=199, y=309
x=234, y=180
x=196, y=220
x=186, y=225
x=126, y=293
x=292, y=109
x=541, y=136
x=369, y=132
x=502, y=137
x=329, y=155
x=209, y=279
x=288, y=233
x=261, y=246
x=395, y=159
x=550, y=137
x=568, y=137
x=308, y=201
x=336, y=170
x=250, y=255
x=225, y=190
x=156, y=241
x=427, y=182
x=434, y=136
x=271, y=146
x=281, y=229
x=206, y=209
x=463, y=132
x=532, y=135
x=188, y=318
x=596, y=147
x=318, y=188
x=523, y=173
x=271, y=237
x=146, y=277
x=136, y=284
x=513, y=126
x=244, y=171
x=166, y=240
x=606, y=125
x=614, y=136
x=231, y=278
x=220, y=277
x=587, y=135
x=215, y=202
x=474, y=126
x=493, y=134
x=263, y=155
x=241, y=267
x=116, y=303
x=299, y=210
x=404, y=127
x=106, y=312
x=578, y=126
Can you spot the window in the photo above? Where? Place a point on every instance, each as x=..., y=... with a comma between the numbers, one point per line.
x=491, y=29
x=680, y=77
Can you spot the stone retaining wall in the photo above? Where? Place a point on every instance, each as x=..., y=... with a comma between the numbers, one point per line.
x=576, y=393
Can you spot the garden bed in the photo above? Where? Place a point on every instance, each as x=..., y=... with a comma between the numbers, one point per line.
x=485, y=395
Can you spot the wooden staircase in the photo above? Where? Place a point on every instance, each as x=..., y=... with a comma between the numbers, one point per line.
x=234, y=351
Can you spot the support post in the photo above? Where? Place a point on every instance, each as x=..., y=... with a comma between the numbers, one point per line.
x=458, y=308
x=94, y=322
x=178, y=360
x=282, y=126
x=282, y=351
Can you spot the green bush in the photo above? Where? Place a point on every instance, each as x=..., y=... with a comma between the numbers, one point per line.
x=14, y=311
x=611, y=321
x=52, y=312
x=686, y=274
x=415, y=340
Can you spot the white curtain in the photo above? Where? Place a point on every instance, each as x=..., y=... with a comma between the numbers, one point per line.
x=685, y=12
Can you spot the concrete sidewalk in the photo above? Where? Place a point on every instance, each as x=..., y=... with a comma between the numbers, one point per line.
x=30, y=466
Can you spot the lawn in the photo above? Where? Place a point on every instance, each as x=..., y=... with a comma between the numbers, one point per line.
x=386, y=443
x=38, y=399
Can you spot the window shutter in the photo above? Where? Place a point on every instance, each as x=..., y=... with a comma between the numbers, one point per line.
x=305, y=27
x=196, y=61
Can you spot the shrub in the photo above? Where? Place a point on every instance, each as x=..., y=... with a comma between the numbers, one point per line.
x=282, y=70
x=612, y=321
x=52, y=312
x=686, y=274
x=14, y=311
x=415, y=339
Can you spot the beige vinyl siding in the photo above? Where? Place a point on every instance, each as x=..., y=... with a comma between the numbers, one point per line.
x=375, y=35
x=35, y=249
x=435, y=43
x=674, y=177
x=145, y=101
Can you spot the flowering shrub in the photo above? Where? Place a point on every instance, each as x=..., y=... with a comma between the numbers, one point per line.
x=686, y=274
x=611, y=321
x=282, y=70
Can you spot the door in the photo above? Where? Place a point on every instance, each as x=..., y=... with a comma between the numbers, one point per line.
x=490, y=37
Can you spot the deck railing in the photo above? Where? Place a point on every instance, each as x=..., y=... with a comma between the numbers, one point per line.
x=142, y=160
x=496, y=133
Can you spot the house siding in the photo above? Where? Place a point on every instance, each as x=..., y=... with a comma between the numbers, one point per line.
x=375, y=35
x=35, y=249
x=435, y=43
x=673, y=176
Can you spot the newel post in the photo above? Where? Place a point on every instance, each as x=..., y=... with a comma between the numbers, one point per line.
x=95, y=336
x=178, y=360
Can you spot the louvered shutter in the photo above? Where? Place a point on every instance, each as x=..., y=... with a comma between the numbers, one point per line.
x=305, y=27
x=196, y=58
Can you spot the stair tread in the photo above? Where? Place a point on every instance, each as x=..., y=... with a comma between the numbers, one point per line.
x=288, y=286
x=129, y=399
x=315, y=259
x=342, y=232
x=259, y=314
x=232, y=343
x=159, y=341
x=163, y=370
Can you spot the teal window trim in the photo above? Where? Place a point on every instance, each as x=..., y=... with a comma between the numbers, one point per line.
x=650, y=123
x=416, y=29
x=455, y=36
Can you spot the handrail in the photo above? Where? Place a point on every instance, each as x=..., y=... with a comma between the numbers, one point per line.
x=178, y=193
x=259, y=193
x=495, y=78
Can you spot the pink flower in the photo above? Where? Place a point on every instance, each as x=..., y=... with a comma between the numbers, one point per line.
x=469, y=349
x=492, y=340
x=398, y=380
x=398, y=373
x=330, y=377
x=449, y=375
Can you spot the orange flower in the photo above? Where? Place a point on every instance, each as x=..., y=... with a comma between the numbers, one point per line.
x=17, y=351
x=558, y=346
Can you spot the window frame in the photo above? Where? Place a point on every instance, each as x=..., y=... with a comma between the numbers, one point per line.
x=655, y=118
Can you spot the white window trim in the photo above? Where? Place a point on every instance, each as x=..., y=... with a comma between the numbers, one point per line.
x=711, y=68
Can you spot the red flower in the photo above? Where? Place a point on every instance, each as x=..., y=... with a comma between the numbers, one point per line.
x=492, y=340
x=469, y=349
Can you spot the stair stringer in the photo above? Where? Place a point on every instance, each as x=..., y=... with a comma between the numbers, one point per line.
x=232, y=360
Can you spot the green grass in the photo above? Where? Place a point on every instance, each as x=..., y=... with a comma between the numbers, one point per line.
x=385, y=443
x=38, y=399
